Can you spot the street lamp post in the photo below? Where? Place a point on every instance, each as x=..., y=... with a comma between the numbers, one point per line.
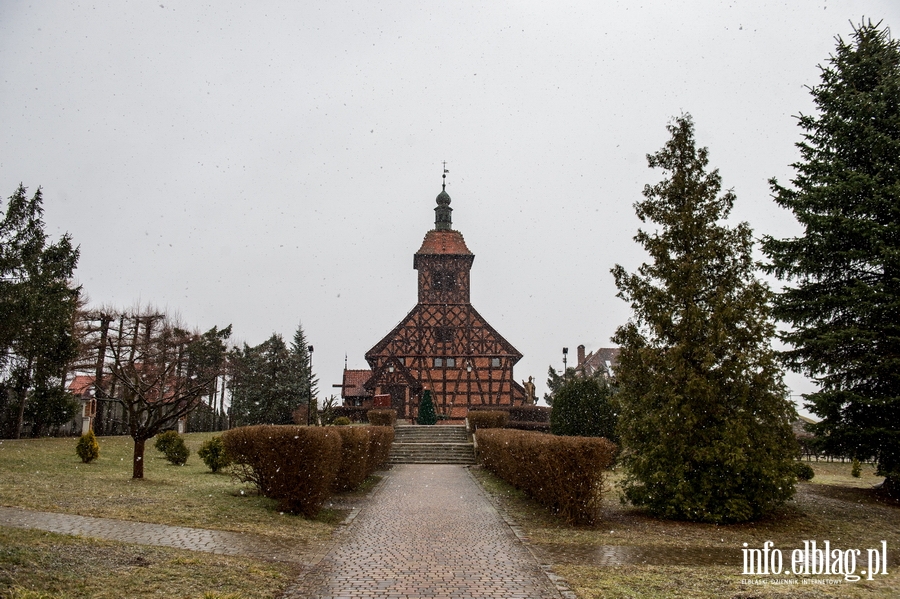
x=309, y=406
x=565, y=355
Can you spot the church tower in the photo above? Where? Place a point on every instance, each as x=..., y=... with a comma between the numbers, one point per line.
x=443, y=344
x=443, y=261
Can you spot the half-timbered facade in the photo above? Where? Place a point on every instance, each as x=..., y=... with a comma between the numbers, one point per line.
x=444, y=344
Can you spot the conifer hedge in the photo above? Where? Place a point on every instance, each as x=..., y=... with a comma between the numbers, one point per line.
x=563, y=473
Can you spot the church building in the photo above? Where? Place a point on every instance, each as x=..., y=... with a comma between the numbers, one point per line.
x=444, y=345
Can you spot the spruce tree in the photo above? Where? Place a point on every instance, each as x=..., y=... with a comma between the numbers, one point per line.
x=427, y=415
x=703, y=416
x=302, y=362
x=37, y=314
x=843, y=297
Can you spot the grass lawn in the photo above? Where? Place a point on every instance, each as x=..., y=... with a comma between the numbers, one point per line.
x=834, y=507
x=45, y=474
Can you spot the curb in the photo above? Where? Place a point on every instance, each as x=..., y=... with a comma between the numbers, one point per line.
x=559, y=583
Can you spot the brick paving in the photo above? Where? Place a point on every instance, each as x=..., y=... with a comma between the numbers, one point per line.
x=182, y=537
x=429, y=532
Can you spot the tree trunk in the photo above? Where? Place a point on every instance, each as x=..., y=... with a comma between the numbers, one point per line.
x=137, y=469
x=21, y=394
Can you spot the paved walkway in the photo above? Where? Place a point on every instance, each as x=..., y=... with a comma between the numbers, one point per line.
x=429, y=532
x=181, y=537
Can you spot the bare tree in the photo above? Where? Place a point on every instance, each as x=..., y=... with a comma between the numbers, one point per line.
x=151, y=365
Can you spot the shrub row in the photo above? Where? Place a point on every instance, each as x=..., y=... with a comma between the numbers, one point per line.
x=382, y=417
x=364, y=449
x=300, y=466
x=482, y=419
x=562, y=473
x=518, y=413
x=540, y=427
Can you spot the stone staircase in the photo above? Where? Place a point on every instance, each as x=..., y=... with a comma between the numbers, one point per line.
x=439, y=444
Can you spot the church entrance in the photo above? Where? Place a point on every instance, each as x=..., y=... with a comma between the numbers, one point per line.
x=398, y=399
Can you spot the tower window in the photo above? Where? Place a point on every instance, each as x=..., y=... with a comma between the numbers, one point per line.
x=438, y=362
x=451, y=362
x=443, y=280
x=495, y=362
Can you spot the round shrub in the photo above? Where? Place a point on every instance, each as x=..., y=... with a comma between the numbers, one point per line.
x=583, y=407
x=172, y=445
x=803, y=471
x=342, y=421
x=88, y=449
x=212, y=452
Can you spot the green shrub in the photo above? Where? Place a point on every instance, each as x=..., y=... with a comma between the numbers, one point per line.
x=383, y=417
x=803, y=471
x=213, y=454
x=583, y=407
x=487, y=419
x=294, y=465
x=171, y=444
x=856, y=469
x=427, y=414
x=563, y=473
x=87, y=448
x=341, y=421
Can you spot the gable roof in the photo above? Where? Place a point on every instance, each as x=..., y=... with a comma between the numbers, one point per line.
x=490, y=342
x=603, y=359
x=81, y=384
x=354, y=382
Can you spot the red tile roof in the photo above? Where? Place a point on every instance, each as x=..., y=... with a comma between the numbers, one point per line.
x=352, y=385
x=444, y=242
x=81, y=384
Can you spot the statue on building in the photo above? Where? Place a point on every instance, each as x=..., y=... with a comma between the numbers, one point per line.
x=529, y=391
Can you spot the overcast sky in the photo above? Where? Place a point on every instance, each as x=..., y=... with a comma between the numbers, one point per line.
x=269, y=163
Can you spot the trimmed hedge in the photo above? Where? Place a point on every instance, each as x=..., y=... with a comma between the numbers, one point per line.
x=300, y=465
x=482, y=419
x=354, y=467
x=294, y=465
x=539, y=427
x=380, y=446
x=518, y=413
x=383, y=417
x=563, y=473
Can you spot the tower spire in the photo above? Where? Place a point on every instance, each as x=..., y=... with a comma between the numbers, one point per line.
x=442, y=220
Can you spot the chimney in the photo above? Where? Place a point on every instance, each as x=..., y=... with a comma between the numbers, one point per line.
x=580, y=356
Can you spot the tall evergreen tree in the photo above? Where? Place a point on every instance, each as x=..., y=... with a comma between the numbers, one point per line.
x=843, y=300
x=267, y=385
x=37, y=313
x=703, y=415
x=303, y=363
